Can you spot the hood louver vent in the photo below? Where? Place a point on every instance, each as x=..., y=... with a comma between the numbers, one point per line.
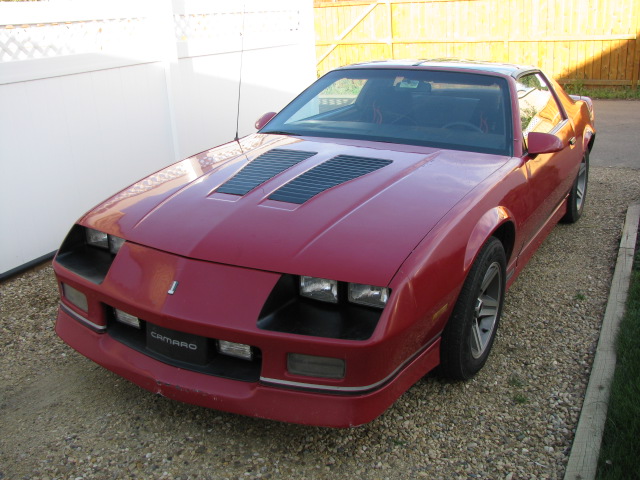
x=261, y=169
x=329, y=174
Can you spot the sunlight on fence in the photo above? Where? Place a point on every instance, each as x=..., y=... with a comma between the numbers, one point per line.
x=594, y=42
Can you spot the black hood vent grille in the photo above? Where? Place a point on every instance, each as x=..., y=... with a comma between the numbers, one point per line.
x=261, y=169
x=329, y=174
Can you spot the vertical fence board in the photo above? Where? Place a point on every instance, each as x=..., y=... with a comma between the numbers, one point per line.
x=613, y=61
x=636, y=58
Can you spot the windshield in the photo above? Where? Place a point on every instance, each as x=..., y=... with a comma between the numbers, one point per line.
x=460, y=111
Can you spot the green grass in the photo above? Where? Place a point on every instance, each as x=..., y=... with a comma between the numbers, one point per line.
x=520, y=399
x=619, y=454
x=611, y=93
x=515, y=381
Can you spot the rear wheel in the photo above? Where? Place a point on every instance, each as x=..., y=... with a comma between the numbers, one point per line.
x=578, y=194
x=469, y=334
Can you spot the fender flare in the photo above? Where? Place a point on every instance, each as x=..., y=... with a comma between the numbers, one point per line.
x=585, y=121
x=484, y=228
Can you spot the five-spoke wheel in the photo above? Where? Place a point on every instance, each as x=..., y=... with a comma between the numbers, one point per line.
x=578, y=194
x=469, y=334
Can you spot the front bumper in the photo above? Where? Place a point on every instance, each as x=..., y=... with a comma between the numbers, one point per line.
x=256, y=399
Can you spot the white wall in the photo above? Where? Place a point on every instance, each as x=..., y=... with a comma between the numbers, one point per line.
x=128, y=87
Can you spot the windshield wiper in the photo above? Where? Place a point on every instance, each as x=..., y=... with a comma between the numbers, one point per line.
x=278, y=132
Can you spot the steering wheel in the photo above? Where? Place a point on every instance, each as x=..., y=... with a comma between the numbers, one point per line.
x=464, y=125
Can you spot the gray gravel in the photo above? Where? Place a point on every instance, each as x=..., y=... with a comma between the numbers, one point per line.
x=61, y=416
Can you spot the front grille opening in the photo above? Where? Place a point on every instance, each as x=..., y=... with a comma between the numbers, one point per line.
x=184, y=350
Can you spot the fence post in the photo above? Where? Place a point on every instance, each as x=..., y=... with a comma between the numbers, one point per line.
x=162, y=16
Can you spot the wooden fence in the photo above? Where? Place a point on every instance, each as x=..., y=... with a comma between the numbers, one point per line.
x=592, y=42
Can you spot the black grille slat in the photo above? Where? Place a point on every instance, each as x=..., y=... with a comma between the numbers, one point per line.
x=262, y=169
x=327, y=175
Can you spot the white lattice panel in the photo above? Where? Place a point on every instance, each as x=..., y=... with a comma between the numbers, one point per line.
x=50, y=40
x=222, y=25
x=277, y=21
x=32, y=41
x=207, y=26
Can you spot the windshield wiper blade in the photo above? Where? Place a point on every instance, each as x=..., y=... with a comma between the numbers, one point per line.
x=278, y=132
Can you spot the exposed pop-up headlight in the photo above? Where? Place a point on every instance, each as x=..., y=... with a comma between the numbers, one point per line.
x=319, y=289
x=99, y=239
x=96, y=238
x=368, y=295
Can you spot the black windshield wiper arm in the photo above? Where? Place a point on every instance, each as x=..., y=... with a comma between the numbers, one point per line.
x=278, y=132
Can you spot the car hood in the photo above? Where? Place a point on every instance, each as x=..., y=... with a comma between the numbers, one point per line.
x=234, y=205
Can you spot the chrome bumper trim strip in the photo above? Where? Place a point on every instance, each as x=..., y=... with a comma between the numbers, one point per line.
x=81, y=319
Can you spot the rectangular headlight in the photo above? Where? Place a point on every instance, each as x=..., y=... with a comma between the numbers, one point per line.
x=99, y=239
x=127, y=318
x=319, y=289
x=96, y=238
x=238, y=350
x=313, y=366
x=368, y=295
x=76, y=297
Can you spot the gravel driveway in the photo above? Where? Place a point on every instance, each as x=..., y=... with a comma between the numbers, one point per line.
x=61, y=416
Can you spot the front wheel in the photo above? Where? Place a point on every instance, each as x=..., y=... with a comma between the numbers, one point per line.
x=469, y=334
x=578, y=194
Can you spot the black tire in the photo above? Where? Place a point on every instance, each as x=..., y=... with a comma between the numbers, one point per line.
x=578, y=194
x=469, y=334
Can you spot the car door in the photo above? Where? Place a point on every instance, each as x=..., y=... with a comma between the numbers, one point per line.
x=549, y=175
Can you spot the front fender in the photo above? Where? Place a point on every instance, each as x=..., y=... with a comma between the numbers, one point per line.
x=484, y=228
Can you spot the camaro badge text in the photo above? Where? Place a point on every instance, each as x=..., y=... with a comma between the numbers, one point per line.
x=173, y=342
x=172, y=290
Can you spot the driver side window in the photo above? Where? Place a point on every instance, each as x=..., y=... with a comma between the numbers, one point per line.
x=539, y=111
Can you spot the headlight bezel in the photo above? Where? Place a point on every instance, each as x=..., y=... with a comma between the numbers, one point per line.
x=85, y=252
x=286, y=311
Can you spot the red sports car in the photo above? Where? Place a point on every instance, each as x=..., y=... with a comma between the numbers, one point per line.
x=313, y=271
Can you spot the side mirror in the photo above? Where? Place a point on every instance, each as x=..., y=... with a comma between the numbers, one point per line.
x=264, y=119
x=538, y=142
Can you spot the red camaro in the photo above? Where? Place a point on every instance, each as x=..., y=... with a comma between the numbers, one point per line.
x=313, y=271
